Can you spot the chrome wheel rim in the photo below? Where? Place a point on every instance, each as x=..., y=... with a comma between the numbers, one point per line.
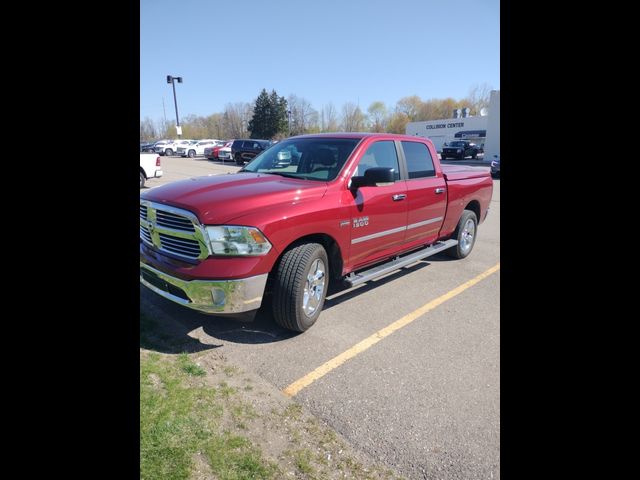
x=468, y=233
x=313, y=288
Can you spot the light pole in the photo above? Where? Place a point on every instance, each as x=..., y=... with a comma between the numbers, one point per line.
x=172, y=80
x=289, y=114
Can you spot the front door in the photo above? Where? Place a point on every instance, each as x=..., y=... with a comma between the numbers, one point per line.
x=378, y=214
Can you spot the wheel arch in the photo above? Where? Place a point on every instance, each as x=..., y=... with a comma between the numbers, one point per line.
x=474, y=206
x=330, y=245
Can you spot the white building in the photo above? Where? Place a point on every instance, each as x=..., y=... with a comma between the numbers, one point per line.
x=482, y=130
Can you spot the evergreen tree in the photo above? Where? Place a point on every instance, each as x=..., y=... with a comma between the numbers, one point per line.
x=269, y=116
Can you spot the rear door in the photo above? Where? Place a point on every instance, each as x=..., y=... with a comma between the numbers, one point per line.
x=378, y=213
x=426, y=193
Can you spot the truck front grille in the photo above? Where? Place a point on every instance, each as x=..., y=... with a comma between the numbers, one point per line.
x=172, y=231
x=177, y=222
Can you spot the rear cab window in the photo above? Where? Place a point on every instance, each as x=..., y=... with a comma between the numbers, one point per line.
x=418, y=159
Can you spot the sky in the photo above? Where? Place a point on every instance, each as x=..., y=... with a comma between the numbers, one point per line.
x=325, y=51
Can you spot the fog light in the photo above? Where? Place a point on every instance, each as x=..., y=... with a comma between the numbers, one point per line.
x=218, y=296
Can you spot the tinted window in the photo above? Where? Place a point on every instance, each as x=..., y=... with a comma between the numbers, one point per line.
x=419, y=161
x=380, y=154
x=319, y=159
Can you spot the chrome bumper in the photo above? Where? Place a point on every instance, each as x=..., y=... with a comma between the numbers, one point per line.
x=209, y=296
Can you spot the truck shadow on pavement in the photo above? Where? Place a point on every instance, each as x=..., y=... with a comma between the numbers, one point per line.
x=170, y=328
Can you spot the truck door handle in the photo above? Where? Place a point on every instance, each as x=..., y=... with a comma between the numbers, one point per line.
x=439, y=190
x=398, y=197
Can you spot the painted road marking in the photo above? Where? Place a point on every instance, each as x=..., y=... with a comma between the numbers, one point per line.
x=368, y=342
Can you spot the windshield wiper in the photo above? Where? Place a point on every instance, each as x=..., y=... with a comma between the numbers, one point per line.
x=288, y=175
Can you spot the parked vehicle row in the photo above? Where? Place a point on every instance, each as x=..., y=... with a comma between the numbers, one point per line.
x=241, y=150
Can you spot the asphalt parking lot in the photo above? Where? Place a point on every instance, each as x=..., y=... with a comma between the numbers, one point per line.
x=424, y=399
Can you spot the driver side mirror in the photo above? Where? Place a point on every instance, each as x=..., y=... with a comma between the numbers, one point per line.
x=374, y=177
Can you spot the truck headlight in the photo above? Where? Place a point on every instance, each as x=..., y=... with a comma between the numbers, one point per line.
x=237, y=240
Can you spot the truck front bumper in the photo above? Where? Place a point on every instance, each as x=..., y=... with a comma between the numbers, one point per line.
x=209, y=296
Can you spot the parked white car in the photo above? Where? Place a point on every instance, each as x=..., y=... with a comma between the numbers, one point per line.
x=196, y=149
x=150, y=167
x=165, y=147
x=225, y=152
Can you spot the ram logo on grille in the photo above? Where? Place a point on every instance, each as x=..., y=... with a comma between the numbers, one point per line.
x=172, y=231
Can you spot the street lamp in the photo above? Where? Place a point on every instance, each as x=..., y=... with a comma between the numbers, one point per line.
x=289, y=114
x=172, y=80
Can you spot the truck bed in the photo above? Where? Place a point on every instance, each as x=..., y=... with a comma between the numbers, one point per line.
x=462, y=172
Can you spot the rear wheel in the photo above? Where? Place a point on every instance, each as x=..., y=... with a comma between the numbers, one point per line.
x=300, y=286
x=142, y=179
x=192, y=153
x=239, y=160
x=168, y=152
x=465, y=234
x=474, y=155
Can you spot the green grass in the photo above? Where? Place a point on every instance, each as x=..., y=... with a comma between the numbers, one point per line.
x=189, y=367
x=302, y=460
x=177, y=421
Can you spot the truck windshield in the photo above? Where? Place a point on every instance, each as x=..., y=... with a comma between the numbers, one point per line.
x=319, y=159
x=456, y=144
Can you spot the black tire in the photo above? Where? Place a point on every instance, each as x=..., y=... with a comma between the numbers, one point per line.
x=474, y=155
x=191, y=154
x=239, y=160
x=142, y=179
x=290, y=282
x=463, y=248
x=168, y=152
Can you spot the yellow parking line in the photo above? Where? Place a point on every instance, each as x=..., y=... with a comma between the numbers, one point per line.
x=360, y=347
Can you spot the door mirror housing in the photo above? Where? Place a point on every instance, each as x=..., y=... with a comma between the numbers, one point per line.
x=374, y=177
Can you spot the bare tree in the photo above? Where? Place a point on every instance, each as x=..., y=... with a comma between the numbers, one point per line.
x=329, y=119
x=236, y=118
x=147, y=129
x=304, y=117
x=352, y=118
x=478, y=97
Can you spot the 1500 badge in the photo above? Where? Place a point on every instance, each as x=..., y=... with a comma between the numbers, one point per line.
x=360, y=222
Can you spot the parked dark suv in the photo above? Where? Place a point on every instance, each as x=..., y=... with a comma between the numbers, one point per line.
x=244, y=150
x=460, y=149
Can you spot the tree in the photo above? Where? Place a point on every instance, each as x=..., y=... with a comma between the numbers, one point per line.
x=235, y=119
x=478, y=98
x=410, y=106
x=269, y=116
x=147, y=130
x=329, y=119
x=304, y=117
x=377, y=113
x=352, y=118
x=397, y=123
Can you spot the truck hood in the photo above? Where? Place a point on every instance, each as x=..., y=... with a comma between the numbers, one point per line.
x=219, y=199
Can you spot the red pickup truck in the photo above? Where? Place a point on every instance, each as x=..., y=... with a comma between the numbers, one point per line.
x=308, y=210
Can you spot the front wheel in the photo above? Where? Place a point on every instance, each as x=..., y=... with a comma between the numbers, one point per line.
x=191, y=154
x=239, y=160
x=465, y=234
x=142, y=179
x=474, y=155
x=168, y=152
x=300, y=286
